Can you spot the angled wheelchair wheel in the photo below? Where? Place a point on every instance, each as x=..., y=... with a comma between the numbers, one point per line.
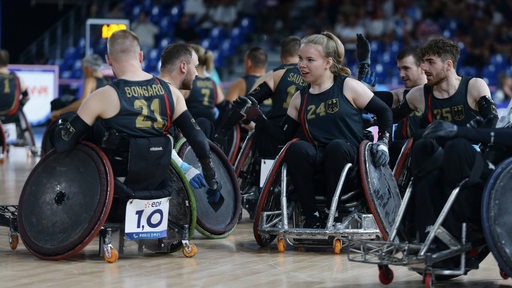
x=3, y=144
x=215, y=220
x=247, y=172
x=65, y=202
x=268, y=209
x=497, y=226
x=26, y=130
x=380, y=189
x=402, y=171
x=182, y=215
x=229, y=142
x=46, y=143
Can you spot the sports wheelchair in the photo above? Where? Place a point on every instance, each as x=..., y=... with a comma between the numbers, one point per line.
x=16, y=131
x=278, y=214
x=68, y=199
x=435, y=264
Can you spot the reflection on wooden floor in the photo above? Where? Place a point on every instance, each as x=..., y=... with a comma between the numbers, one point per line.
x=235, y=261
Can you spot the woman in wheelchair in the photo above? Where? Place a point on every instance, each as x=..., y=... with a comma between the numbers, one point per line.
x=140, y=108
x=328, y=115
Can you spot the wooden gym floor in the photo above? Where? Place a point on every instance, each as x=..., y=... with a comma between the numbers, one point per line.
x=236, y=261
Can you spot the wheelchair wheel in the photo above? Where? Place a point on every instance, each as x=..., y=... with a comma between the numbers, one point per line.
x=496, y=224
x=402, y=171
x=229, y=141
x=3, y=144
x=182, y=208
x=182, y=215
x=215, y=221
x=65, y=202
x=270, y=201
x=247, y=172
x=46, y=143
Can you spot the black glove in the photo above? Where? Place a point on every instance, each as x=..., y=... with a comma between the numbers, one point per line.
x=363, y=49
x=440, y=128
x=213, y=193
x=241, y=102
x=215, y=198
x=252, y=112
x=476, y=123
x=379, y=150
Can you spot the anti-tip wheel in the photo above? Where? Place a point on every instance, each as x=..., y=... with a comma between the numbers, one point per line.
x=189, y=250
x=386, y=275
x=281, y=246
x=337, y=245
x=13, y=241
x=111, y=255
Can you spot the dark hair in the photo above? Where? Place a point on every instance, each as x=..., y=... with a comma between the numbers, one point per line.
x=410, y=51
x=258, y=57
x=4, y=58
x=290, y=46
x=173, y=54
x=443, y=48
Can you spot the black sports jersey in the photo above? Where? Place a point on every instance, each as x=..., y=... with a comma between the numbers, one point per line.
x=101, y=82
x=146, y=108
x=288, y=85
x=202, y=98
x=454, y=109
x=249, y=82
x=329, y=115
x=9, y=94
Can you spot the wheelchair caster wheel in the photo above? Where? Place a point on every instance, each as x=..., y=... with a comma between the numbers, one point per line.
x=281, y=246
x=337, y=245
x=13, y=241
x=386, y=275
x=429, y=280
x=189, y=250
x=110, y=254
x=504, y=275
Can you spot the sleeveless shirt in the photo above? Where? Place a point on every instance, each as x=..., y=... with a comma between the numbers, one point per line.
x=288, y=85
x=454, y=109
x=146, y=107
x=202, y=98
x=9, y=94
x=329, y=115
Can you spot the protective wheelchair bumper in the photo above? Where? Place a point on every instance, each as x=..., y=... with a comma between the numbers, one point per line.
x=65, y=202
x=380, y=189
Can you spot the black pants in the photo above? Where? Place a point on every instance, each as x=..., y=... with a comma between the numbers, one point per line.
x=306, y=161
x=437, y=171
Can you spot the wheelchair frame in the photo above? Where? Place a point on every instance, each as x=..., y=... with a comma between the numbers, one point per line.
x=417, y=256
x=269, y=225
x=23, y=127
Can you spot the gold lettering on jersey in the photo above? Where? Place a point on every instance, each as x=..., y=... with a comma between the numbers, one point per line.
x=333, y=105
x=144, y=91
x=449, y=113
x=296, y=78
x=203, y=83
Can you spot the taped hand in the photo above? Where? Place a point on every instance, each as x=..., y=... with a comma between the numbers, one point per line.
x=194, y=177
